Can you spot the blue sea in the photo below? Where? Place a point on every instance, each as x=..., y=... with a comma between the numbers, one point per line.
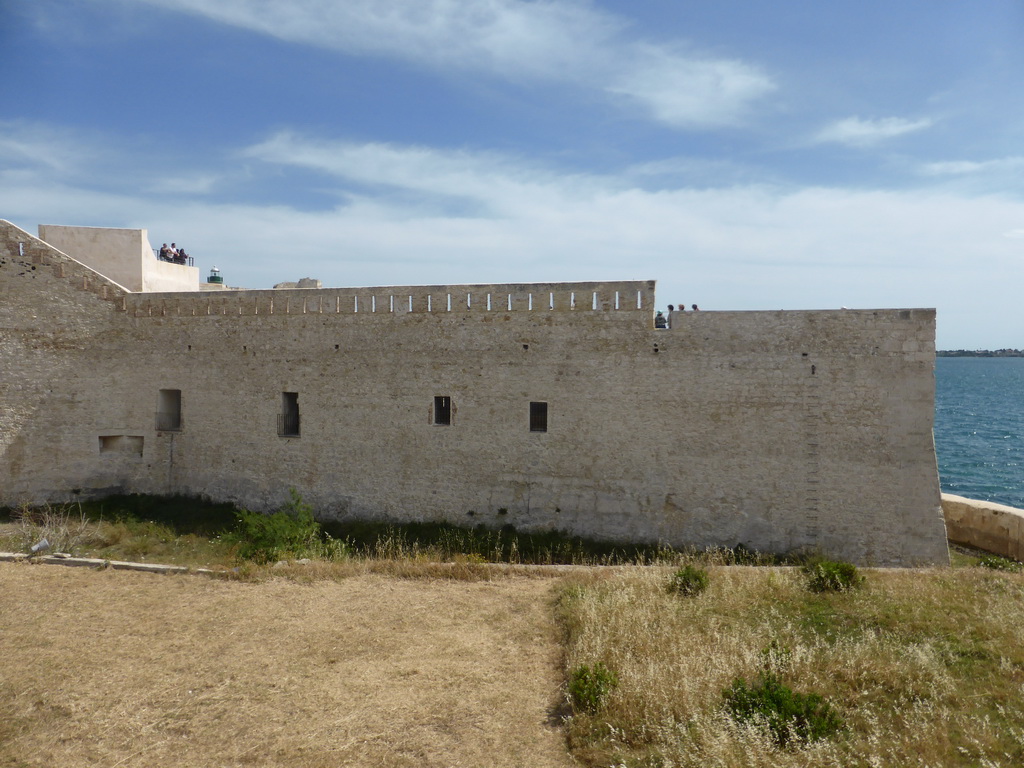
x=979, y=427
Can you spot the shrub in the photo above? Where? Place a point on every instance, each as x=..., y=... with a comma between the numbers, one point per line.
x=588, y=686
x=688, y=581
x=786, y=715
x=291, y=531
x=832, y=576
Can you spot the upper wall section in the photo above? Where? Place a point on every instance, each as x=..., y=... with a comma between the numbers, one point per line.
x=123, y=255
x=905, y=333
x=630, y=296
x=30, y=253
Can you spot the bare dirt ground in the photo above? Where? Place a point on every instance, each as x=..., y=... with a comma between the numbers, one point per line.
x=134, y=669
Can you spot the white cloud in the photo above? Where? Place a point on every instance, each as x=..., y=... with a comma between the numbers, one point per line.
x=556, y=41
x=853, y=131
x=967, y=167
x=498, y=35
x=687, y=92
x=737, y=247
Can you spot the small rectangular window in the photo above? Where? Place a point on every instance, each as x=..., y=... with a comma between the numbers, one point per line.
x=538, y=417
x=442, y=410
x=288, y=419
x=168, y=410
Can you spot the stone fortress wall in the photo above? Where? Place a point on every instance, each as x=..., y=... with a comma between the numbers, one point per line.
x=778, y=430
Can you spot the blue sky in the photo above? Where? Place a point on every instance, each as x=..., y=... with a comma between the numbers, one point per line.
x=746, y=155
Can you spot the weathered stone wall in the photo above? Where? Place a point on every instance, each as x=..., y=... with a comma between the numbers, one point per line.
x=778, y=430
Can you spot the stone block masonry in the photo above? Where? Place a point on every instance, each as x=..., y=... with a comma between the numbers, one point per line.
x=538, y=405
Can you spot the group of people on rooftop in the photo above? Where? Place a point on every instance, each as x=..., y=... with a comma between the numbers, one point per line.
x=660, y=321
x=173, y=254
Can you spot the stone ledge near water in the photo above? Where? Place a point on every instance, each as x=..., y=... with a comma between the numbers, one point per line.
x=985, y=525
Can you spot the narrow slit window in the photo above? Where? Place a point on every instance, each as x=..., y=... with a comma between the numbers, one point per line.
x=168, y=410
x=538, y=417
x=288, y=419
x=442, y=410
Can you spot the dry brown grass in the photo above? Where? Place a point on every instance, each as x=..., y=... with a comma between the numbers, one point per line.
x=131, y=669
x=412, y=662
x=927, y=667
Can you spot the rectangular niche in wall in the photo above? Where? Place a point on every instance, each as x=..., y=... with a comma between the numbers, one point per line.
x=168, y=412
x=538, y=417
x=442, y=410
x=121, y=445
x=288, y=419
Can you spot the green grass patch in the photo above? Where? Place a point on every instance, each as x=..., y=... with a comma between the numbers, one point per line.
x=589, y=686
x=787, y=716
x=688, y=581
x=226, y=527
x=998, y=563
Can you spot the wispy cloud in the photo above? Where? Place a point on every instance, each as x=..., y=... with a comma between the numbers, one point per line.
x=969, y=167
x=485, y=178
x=557, y=41
x=31, y=145
x=689, y=92
x=855, y=132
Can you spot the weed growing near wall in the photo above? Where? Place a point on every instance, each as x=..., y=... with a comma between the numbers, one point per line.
x=291, y=532
x=65, y=527
x=832, y=576
x=204, y=532
x=113, y=532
